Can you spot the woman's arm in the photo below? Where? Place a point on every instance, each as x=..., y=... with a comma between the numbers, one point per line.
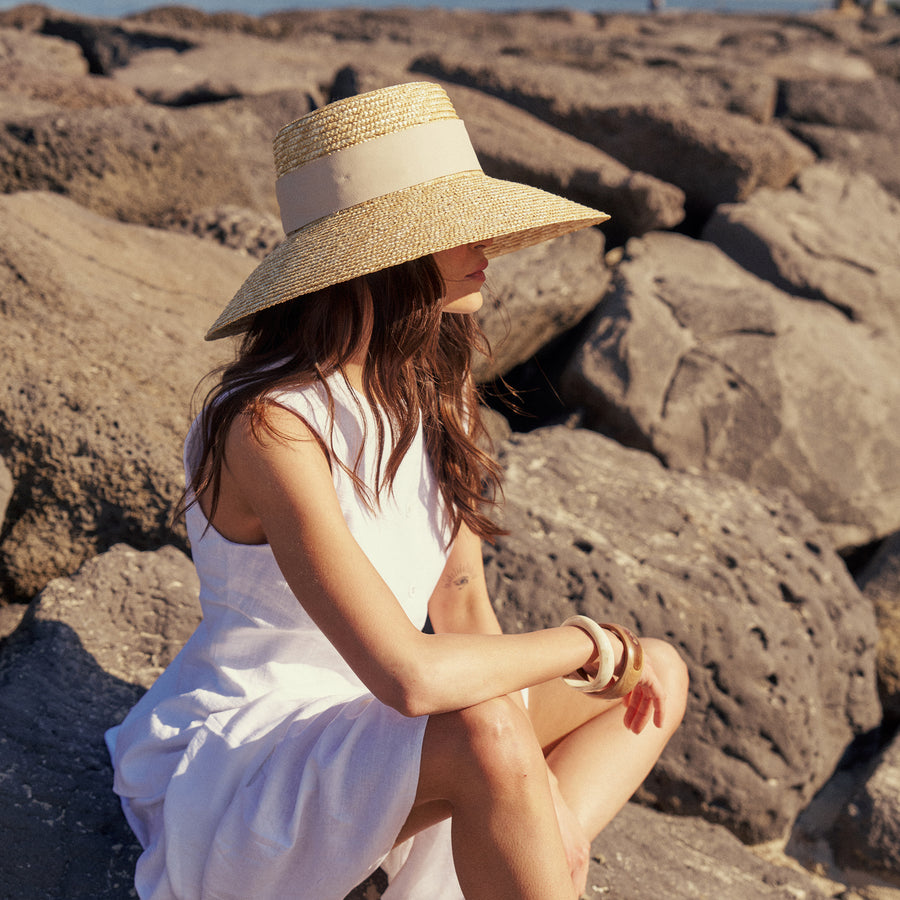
x=285, y=485
x=460, y=603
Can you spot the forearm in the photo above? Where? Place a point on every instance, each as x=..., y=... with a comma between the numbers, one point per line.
x=458, y=670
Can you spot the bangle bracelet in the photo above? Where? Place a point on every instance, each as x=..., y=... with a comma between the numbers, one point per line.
x=631, y=665
x=605, y=653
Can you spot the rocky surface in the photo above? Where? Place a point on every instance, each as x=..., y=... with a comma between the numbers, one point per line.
x=778, y=640
x=754, y=353
x=708, y=366
x=102, y=326
x=880, y=582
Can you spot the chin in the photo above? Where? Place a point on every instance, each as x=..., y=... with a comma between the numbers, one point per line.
x=470, y=303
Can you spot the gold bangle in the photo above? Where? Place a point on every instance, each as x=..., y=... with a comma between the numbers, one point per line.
x=605, y=653
x=631, y=665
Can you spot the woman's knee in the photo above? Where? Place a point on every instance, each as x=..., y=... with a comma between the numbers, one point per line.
x=492, y=743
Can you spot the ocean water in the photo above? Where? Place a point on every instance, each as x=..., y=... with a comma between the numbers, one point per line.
x=114, y=8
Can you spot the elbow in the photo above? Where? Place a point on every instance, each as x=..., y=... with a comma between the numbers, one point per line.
x=411, y=693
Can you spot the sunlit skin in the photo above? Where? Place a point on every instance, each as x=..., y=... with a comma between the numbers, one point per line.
x=462, y=269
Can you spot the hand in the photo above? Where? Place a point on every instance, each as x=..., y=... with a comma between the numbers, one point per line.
x=646, y=701
x=577, y=846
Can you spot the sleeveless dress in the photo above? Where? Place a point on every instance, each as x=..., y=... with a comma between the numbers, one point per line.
x=258, y=766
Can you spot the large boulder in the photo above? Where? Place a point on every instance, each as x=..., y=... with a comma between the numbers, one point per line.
x=536, y=294
x=515, y=145
x=779, y=642
x=693, y=357
x=714, y=155
x=789, y=238
x=856, y=124
x=197, y=158
x=88, y=647
x=102, y=333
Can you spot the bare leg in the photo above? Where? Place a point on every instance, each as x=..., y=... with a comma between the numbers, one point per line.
x=485, y=766
x=600, y=763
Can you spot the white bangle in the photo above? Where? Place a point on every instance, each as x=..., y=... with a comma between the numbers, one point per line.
x=607, y=657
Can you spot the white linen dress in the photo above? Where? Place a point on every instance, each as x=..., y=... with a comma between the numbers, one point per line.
x=258, y=766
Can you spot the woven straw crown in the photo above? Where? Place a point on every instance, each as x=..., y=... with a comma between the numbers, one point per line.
x=363, y=185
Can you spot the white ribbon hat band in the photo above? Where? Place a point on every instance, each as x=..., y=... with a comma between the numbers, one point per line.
x=374, y=168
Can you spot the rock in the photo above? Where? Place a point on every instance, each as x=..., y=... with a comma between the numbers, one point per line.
x=690, y=859
x=855, y=151
x=714, y=156
x=50, y=55
x=536, y=294
x=40, y=75
x=6, y=488
x=691, y=356
x=870, y=105
x=114, y=625
x=868, y=835
x=880, y=582
x=788, y=238
x=194, y=158
x=240, y=229
x=221, y=65
x=102, y=327
x=854, y=124
x=88, y=647
x=107, y=46
x=778, y=640
x=514, y=145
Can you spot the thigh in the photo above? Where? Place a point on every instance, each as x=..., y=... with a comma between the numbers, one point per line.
x=556, y=710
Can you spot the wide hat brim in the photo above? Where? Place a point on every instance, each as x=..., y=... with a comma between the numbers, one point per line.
x=386, y=231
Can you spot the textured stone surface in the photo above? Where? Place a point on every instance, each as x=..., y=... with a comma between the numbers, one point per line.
x=868, y=835
x=880, y=582
x=102, y=327
x=714, y=155
x=789, y=238
x=536, y=294
x=712, y=368
x=778, y=639
x=87, y=648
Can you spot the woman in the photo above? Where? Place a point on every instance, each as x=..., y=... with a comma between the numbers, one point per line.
x=310, y=731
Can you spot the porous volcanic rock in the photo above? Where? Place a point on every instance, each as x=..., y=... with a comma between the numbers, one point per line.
x=86, y=650
x=102, y=327
x=693, y=357
x=88, y=647
x=536, y=294
x=778, y=640
x=789, y=238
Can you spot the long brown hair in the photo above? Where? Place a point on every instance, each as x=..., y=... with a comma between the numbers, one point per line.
x=417, y=368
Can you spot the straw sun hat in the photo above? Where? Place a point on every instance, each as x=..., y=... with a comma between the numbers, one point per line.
x=379, y=179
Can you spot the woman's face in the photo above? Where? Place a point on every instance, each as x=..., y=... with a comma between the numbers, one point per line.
x=462, y=269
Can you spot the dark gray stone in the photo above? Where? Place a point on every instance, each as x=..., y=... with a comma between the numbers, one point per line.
x=790, y=238
x=778, y=640
x=693, y=357
x=538, y=293
x=84, y=653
